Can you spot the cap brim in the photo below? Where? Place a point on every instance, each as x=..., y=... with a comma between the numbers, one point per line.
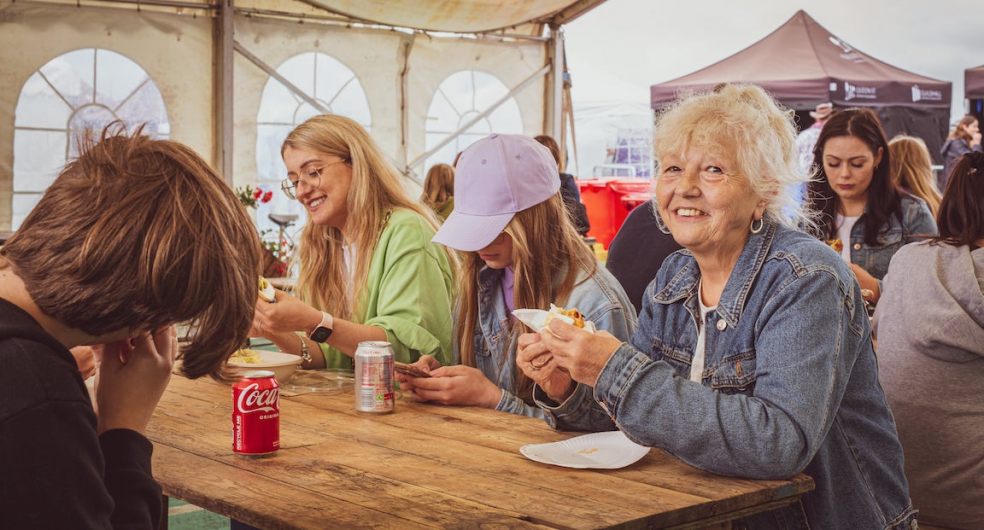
x=468, y=232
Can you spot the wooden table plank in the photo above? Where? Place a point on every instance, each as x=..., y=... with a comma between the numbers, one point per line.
x=474, y=473
x=443, y=466
x=247, y=496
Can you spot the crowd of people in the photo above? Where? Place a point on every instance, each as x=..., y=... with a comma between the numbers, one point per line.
x=732, y=321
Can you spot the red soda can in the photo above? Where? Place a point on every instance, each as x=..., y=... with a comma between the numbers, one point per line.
x=256, y=414
x=374, y=377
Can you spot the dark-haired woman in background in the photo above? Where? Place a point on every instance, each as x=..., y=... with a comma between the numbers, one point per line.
x=859, y=205
x=932, y=369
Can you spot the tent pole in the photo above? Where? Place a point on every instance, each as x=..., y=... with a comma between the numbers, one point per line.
x=407, y=46
x=224, y=43
x=553, y=104
x=518, y=88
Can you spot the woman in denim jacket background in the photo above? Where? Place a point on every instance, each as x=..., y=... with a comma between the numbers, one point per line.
x=858, y=203
x=521, y=251
x=753, y=356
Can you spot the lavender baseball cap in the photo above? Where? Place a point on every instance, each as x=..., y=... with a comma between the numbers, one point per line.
x=496, y=177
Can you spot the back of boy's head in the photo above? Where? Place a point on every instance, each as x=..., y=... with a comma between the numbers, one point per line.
x=136, y=234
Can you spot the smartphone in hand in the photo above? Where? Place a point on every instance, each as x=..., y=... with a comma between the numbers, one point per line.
x=409, y=370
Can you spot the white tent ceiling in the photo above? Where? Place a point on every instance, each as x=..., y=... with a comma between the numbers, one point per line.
x=464, y=16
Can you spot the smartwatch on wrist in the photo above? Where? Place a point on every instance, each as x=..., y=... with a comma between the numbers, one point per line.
x=323, y=330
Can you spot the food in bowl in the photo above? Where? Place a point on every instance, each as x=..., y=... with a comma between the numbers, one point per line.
x=283, y=365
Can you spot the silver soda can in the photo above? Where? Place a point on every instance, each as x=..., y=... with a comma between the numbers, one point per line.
x=374, y=377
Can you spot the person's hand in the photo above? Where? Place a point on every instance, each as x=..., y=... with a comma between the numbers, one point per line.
x=85, y=358
x=868, y=283
x=457, y=385
x=975, y=139
x=536, y=361
x=581, y=353
x=132, y=377
x=286, y=314
x=427, y=363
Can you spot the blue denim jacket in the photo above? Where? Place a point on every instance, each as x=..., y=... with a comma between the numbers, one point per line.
x=599, y=298
x=790, y=384
x=917, y=224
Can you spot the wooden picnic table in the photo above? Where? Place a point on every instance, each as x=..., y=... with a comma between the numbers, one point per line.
x=424, y=466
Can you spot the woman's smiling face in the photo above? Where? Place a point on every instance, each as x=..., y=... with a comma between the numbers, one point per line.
x=705, y=203
x=323, y=183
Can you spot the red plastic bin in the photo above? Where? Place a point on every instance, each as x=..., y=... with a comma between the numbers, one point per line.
x=609, y=202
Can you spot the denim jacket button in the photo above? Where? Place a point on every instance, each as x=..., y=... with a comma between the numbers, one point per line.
x=857, y=246
x=721, y=325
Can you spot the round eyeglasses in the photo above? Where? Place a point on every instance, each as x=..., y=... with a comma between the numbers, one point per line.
x=311, y=177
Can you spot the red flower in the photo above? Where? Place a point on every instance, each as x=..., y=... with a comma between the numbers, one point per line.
x=268, y=196
x=257, y=193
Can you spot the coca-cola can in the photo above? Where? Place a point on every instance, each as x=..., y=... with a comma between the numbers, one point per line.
x=256, y=414
x=374, y=377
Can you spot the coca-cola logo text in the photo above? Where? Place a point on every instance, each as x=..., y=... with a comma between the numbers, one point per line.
x=252, y=399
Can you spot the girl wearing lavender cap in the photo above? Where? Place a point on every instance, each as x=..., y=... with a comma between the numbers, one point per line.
x=520, y=251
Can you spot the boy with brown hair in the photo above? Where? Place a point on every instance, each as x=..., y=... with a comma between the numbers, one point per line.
x=133, y=236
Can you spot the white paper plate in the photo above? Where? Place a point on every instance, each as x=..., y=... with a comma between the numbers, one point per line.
x=599, y=450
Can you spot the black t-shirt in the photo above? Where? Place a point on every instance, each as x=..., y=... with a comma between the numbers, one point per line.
x=638, y=251
x=55, y=471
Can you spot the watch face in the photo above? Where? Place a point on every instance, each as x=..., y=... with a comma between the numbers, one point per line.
x=321, y=334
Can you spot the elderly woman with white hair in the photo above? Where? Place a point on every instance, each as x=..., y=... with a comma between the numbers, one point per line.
x=753, y=354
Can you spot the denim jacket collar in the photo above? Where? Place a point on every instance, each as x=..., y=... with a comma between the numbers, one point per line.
x=488, y=278
x=684, y=283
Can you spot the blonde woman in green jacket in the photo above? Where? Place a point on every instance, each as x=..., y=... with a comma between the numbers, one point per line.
x=368, y=269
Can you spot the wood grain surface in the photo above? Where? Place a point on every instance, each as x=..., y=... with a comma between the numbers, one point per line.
x=423, y=466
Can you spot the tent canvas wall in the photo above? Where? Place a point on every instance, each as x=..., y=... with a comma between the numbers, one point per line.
x=223, y=75
x=802, y=64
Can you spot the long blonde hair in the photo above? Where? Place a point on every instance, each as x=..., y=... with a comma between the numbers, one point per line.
x=548, y=256
x=375, y=191
x=911, y=169
x=438, y=186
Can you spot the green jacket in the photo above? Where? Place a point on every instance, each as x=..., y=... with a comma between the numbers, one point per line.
x=407, y=293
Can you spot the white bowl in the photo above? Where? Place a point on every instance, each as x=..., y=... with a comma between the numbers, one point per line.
x=283, y=365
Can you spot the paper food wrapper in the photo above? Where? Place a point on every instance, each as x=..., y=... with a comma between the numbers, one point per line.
x=537, y=319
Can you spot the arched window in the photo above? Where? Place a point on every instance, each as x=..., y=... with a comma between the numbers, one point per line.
x=80, y=90
x=459, y=99
x=322, y=78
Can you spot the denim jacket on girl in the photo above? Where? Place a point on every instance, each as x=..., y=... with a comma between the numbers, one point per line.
x=917, y=224
x=599, y=298
x=790, y=384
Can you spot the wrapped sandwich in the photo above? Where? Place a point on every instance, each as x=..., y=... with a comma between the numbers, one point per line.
x=537, y=319
x=267, y=292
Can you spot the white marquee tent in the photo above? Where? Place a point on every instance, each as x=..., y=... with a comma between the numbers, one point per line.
x=231, y=77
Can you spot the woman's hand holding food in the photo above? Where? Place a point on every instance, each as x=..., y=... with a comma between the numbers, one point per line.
x=536, y=361
x=868, y=283
x=132, y=377
x=285, y=315
x=581, y=353
x=456, y=385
